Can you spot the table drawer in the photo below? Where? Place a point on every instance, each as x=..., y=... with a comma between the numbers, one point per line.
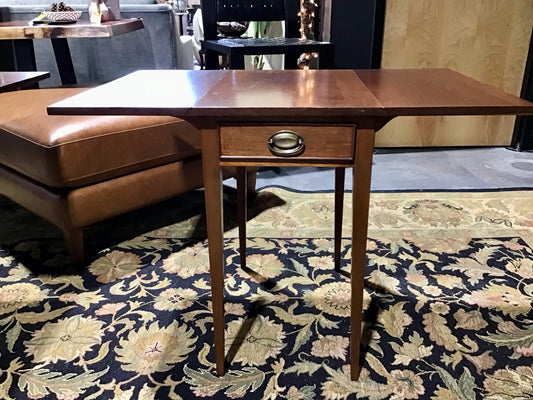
x=286, y=142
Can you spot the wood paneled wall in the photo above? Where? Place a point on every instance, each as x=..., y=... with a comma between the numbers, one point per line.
x=485, y=39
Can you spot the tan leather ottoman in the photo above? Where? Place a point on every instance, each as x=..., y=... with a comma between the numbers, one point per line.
x=77, y=170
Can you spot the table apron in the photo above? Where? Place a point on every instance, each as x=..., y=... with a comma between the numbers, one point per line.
x=246, y=162
x=262, y=144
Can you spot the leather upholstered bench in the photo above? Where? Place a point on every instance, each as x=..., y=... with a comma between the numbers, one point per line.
x=77, y=170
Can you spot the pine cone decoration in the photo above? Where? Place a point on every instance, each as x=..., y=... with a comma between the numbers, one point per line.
x=55, y=7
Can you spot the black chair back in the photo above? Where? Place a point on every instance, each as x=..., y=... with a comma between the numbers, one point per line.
x=249, y=10
x=214, y=11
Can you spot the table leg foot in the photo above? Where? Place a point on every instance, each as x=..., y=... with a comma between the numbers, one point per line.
x=355, y=370
x=221, y=369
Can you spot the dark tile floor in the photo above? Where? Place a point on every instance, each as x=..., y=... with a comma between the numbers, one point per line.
x=420, y=169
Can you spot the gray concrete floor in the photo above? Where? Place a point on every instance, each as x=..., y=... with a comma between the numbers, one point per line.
x=419, y=169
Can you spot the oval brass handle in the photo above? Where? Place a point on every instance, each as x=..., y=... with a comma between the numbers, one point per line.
x=286, y=143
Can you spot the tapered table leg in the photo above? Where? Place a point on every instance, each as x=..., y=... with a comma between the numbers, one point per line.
x=215, y=232
x=339, y=204
x=242, y=211
x=361, y=197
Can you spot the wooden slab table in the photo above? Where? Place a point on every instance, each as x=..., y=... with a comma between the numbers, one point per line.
x=19, y=34
x=288, y=118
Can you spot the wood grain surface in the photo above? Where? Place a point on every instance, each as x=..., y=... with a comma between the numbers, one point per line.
x=416, y=92
x=321, y=142
x=247, y=96
x=317, y=96
x=302, y=93
x=80, y=29
x=484, y=39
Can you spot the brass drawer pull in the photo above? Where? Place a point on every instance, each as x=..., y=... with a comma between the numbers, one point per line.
x=286, y=144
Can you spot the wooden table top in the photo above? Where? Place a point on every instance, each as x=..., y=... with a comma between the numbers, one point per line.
x=438, y=92
x=328, y=95
x=80, y=29
x=10, y=80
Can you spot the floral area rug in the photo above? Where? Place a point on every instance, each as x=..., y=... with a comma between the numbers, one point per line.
x=448, y=302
